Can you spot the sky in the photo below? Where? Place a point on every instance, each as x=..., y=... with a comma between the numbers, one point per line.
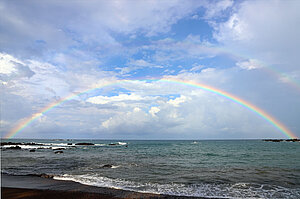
x=53, y=49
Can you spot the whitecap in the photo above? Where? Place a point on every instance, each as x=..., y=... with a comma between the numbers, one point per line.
x=238, y=190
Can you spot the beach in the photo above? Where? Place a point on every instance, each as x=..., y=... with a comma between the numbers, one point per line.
x=31, y=187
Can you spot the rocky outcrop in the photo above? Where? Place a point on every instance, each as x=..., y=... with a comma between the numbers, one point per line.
x=58, y=152
x=281, y=140
x=107, y=166
x=58, y=149
x=43, y=175
x=84, y=143
x=10, y=143
x=273, y=140
x=19, y=143
x=293, y=140
x=32, y=150
x=14, y=147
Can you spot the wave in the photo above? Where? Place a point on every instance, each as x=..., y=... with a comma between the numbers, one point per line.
x=57, y=144
x=118, y=143
x=34, y=147
x=100, y=144
x=238, y=190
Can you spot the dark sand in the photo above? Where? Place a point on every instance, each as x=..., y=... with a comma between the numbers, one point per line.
x=33, y=187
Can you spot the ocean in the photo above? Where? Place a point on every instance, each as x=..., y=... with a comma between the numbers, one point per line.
x=205, y=168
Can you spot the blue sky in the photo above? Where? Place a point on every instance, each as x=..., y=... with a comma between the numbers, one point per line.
x=52, y=49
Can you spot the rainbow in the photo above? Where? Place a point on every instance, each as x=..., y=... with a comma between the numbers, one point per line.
x=264, y=115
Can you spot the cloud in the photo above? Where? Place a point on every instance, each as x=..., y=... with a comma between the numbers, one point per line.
x=146, y=108
x=118, y=98
x=264, y=30
x=154, y=110
x=191, y=47
x=32, y=78
x=11, y=67
x=204, y=115
x=215, y=9
x=99, y=43
x=151, y=111
x=129, y=121
x=84, y=24
x=177, y=101
x=7, y=65
x=139, y=64
x=249, y=64
x=196, y=68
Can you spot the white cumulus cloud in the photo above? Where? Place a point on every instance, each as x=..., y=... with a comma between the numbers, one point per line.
x=249, y=64
x=154, y=110
x=266, y=30
x=177, y=101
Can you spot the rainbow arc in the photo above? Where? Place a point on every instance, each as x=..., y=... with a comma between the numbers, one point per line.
x=261, y=113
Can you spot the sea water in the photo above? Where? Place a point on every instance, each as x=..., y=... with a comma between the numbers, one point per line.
x=209, y=168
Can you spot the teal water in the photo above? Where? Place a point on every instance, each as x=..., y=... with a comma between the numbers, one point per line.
x=222, y=168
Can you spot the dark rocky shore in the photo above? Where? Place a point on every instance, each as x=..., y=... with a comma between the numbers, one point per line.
x=281, y=140
x=44, y=187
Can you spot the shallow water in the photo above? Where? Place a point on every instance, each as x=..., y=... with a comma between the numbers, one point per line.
x=231, y=168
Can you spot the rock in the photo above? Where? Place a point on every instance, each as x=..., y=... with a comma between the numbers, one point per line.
x=69, y=143
x=58, y=152
x=32, y=150
x=58, y=149
x=280, y=140
x=293, y=140
x=273, y=140
x=277, y=140
x=107, y=166
x=15, y=147
x=84, y=143
x=19, y=143
x=43, y=175
x=112, y=144
x=10, y=143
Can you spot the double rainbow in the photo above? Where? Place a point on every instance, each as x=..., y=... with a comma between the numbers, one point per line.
x=264, y=115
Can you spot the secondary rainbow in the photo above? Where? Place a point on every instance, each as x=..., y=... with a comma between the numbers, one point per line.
x=264, y=115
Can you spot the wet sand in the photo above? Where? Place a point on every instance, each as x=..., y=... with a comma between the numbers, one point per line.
x=33, y=187
x=16, y=193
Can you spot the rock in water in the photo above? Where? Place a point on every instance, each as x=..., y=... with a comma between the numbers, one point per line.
x=32, y=150
x=43, y=175
x=10, y=143
x=15, y=147
x=59, y=149
x=58, y=152
x=107, y=166
x=84, y=143
x=273, y=140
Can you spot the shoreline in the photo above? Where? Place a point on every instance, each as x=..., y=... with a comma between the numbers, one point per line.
x=33, y=187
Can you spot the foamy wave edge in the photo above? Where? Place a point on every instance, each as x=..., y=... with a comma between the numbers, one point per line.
x=238, y=190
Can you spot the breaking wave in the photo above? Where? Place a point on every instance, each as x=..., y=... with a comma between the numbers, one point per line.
x=237, y=190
